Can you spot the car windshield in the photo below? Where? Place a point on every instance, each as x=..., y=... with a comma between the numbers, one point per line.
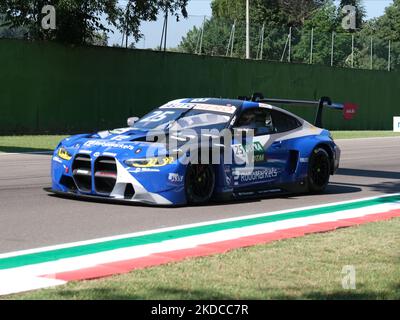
x=180, y=119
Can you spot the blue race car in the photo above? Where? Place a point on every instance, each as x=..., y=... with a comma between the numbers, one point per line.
x=190, y=151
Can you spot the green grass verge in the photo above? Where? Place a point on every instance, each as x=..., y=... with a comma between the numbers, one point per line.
x=48, y=143
x=363, y=134
x=29, y=143
x=309, y=267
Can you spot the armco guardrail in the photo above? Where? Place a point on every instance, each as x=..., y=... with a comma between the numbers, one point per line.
x=52, y=88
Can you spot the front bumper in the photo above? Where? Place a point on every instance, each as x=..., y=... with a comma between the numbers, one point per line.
x=91, y=178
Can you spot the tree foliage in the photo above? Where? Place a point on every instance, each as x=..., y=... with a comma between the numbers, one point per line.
x=323, y=17
x=81, y=22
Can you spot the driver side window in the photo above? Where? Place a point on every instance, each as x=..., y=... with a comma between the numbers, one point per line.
x=258, y=119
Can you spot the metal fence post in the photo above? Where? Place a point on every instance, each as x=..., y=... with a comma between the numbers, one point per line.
x=332, y=47
x=312, y=45
x=352, y=50
x=372, y=52
x=290, y=44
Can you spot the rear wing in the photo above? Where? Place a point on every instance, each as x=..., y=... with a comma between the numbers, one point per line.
x=349, y=109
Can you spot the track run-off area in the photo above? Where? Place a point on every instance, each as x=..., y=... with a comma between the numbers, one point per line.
x=47, y=240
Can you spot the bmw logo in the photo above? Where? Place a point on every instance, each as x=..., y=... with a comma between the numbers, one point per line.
x=96, y=154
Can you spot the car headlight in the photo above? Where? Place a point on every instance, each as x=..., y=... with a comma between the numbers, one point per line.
x=64, y=154
x=150, y=162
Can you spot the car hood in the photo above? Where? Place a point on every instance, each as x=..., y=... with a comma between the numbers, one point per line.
x=120, y=143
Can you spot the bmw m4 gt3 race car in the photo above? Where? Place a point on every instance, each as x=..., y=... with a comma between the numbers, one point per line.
x=190, y=151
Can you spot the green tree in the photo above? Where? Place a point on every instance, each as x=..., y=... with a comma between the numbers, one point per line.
x=79, y=21
x=327, y=22
x=276, y=15
x=11, y=33
x=323, y=22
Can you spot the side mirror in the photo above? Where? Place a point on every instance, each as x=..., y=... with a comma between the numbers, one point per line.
x=131, y=121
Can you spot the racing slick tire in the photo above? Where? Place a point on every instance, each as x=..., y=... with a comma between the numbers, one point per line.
x=318, y=170
x=199, y=183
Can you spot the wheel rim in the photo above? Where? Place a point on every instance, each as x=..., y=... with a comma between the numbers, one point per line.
x=320, y=170
x=200, y=182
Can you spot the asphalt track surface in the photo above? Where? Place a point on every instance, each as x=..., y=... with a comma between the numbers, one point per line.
x=31, y=217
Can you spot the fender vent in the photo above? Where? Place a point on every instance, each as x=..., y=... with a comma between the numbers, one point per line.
x=293, y=160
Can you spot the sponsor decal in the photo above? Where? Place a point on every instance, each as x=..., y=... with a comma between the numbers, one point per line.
x=120, y=130
x=104, y=134
x=200, y=100
x=349, y=110
x=175, y=178
x=396, y=124
x=232, y=121
x=177, y=105
x=120, y=138
x=268, y=191
x=85, y=151
x=105, y=144
x=57, y=159
x=110, y=154
x=244, y=150
x=138, y=150
x=216, y=108
x=136, y=170
x=264, y=174
x=83, y=172
x=303, y=160
x=228, y=175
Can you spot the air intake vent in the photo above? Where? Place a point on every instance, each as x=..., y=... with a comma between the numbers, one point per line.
x=129, y=191
x=68, y=182
x=82, y=172
x=105, y=175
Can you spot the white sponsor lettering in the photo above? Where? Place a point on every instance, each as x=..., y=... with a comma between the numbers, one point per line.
x=120, y=138
x=96, y=143
x=57, y=159
x=255, y=175
x=174, y=177
x=396, y=124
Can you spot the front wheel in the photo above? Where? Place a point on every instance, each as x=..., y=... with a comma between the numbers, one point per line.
x=318, y=170
x=199, y=183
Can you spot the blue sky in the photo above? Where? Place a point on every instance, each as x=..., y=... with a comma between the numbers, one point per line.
x=197, y=9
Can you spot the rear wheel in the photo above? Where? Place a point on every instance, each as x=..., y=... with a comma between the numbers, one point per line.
x=199, y=183
x=318, y=170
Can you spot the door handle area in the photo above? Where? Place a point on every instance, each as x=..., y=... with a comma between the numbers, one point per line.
x=277, y=144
